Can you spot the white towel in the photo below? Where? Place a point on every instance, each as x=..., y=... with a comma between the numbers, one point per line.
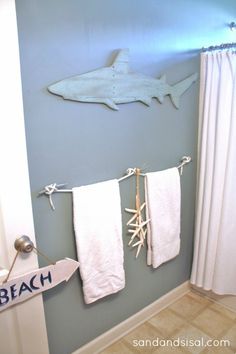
x=162, y=192
x=98, y=232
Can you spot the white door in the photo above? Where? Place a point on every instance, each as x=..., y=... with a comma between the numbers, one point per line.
x=22, y=328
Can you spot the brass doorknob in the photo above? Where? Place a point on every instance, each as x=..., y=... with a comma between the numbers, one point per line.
x=24, y=244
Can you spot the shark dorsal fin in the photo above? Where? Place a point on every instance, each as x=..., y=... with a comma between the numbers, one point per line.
x=163, y=78
x=121, y=62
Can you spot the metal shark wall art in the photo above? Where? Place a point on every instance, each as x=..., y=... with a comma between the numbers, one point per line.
x=117, y=84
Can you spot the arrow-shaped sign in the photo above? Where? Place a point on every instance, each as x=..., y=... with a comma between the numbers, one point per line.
x=27, y=285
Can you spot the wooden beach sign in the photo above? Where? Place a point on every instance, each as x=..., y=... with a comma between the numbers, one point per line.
x=32, y=283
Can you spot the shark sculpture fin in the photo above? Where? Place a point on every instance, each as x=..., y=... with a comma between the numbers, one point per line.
x=163, y=78
x=146, y=100
x=178, y=89
x=111, y=104
x=160, y=98
x=121, y=63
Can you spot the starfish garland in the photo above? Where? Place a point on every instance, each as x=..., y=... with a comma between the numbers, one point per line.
x=137, y=222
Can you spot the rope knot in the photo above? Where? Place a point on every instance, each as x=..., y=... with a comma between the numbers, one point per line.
x=50, y=189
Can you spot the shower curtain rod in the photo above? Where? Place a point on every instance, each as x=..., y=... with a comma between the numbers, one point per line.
x=219, y=47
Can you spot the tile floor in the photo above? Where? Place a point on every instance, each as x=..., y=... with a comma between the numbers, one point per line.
x=192, y=317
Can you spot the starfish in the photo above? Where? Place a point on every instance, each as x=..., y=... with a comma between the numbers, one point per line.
x=138, y=225
x=138, y=229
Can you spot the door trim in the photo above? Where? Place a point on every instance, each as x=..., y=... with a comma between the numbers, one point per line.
x=26, y=320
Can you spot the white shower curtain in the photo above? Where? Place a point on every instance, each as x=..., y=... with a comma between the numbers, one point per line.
x=214, y=262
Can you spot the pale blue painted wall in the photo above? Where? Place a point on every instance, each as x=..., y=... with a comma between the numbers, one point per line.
x=85, y=143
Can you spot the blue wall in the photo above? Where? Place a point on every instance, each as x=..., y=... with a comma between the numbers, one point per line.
x=86, y=143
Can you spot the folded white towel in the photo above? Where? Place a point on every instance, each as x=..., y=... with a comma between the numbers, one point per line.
x=162, y=192
x=98, y=232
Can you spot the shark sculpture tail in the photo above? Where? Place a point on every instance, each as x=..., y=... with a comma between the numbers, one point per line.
x=177, y=90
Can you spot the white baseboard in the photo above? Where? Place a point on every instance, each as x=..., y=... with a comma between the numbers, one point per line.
x=119, y=331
